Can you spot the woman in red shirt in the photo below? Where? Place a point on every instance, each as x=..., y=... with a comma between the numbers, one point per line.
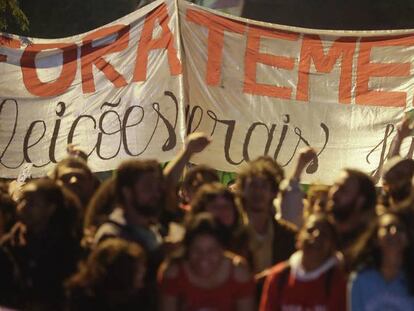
x=206, y=277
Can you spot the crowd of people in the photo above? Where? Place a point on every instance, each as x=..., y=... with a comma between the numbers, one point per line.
x=177, y=239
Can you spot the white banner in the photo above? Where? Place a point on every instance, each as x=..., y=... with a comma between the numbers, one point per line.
x=261, y=89
x=115, y=91
x=127, y=90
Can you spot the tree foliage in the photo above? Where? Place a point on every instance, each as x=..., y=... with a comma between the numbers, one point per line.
x=56, y=19
x=11, y=14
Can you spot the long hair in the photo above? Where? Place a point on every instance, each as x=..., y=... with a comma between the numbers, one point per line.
x=366, y=188
x=202, y=224
x=262, y=167
x=110, y=266
x=197, y=176
x=130, y=171
x=366, y=252
x=101, y=204
x=66, y=219
x=210, y=192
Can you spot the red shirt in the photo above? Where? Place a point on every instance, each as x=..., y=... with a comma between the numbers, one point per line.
x=318, y=294
x=194, y=298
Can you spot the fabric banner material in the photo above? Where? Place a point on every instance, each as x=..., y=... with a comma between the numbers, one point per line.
x=135, y=87
x=115, y=91
x=268, y=89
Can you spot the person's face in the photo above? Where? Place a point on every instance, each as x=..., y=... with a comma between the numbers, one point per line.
x=77, y=180
x=33, y=210
x=147, y=194
x=391, y=234
x=344, y=198
x=223, y=209
x=258, y=194
x=205, y=255
x=316, y=236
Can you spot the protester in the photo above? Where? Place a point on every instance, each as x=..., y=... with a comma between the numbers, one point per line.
x=74, y=173
x=312, y=278
x=42, y=250
x=272, y=240
x=140, y=195
x=110, y=279
x=383, y=262
x=397, y=182
x=135, y=215
x=206, y=277
x=140, y=198
x=351, y=204
x=398, y=171
x=218, y=200
x=196, y=177
x=195, y=143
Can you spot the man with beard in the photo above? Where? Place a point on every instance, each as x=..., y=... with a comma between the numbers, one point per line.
x=139, y=191
x=140, y=196
x=351, y=203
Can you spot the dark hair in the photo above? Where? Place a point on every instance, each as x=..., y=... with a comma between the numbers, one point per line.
x=101, y=204
x=110, y=266
x=263, y=167
x=8, y=210
x=66, y=217
x=208, y=193
x=279, y=172
x=4, y=186
x=71, y=162
x=130, y=171
x=200, y=224
x=321, y=217
x=366, y=188
x=366, y=252
x=197, y=176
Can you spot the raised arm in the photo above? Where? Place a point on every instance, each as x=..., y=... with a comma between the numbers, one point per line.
x=403, y=131
x=195, y=142
x=291, y=200
x=305, y=157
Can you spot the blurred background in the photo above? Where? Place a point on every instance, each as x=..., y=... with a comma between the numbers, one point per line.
x=53, y=19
